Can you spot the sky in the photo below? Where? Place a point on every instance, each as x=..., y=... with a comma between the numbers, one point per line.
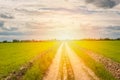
x=59, y=19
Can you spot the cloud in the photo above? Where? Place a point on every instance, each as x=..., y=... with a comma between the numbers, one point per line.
x=109, y=28
x=103, y=3
x=10, y=29
x=1, y=24
x=56, y=9
x=46, y=19
x=9, y=33
x=6, y=16
x=5, y=28
x=111, y=31
x=113, y=28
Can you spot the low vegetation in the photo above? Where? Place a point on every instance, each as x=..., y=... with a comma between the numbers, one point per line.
x=14, y=55
x=109, y=49
x=40, y=66
x=98, y=68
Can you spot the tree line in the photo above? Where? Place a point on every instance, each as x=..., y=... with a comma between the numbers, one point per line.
x=88, y=39
x=16, y=41
x=102, y=39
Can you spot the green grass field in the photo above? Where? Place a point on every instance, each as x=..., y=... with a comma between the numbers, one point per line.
x=14, y=55
x=109, y=49
x=40, y=66
x=98, y=68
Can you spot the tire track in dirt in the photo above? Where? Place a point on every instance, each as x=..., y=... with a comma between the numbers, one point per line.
x=53, y=70
x=81, y=72
x=110, y=65
x=65, y=70
x=61, y=68
x=68, y=66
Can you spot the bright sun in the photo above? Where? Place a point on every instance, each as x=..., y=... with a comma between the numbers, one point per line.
x=63, y=27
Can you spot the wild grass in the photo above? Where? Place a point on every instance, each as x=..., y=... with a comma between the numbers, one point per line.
x=14, y=55
x=109, y=49
x=98, y=68
x=37, y=72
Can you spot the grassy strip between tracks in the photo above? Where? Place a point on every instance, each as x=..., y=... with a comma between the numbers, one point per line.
x=65, y=69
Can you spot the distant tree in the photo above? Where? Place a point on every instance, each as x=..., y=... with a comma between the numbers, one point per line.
x=5, y=41
x=107, y=39
x=118, y=39
x=15, y=40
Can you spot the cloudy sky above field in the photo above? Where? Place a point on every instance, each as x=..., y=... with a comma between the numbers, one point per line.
x=60, y=19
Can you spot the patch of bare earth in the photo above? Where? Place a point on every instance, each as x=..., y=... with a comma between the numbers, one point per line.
x=81, y=72
x=112, y=66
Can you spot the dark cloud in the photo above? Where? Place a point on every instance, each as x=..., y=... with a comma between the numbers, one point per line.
x=113, y=28
x=104, y=3
x=57, y=9
x=10, y=29
x=89, y=1
x=6, y=16
x=105, y=28
x=3, y=27
x=9, y=33
x=1, y=24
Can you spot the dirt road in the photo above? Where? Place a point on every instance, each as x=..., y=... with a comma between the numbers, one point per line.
x=110, y=65
x=68, y=66
x=52, y=72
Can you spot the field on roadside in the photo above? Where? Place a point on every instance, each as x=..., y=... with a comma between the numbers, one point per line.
x=40, y=66
x=109, y=49
x=58, y=60
x=14, y=55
